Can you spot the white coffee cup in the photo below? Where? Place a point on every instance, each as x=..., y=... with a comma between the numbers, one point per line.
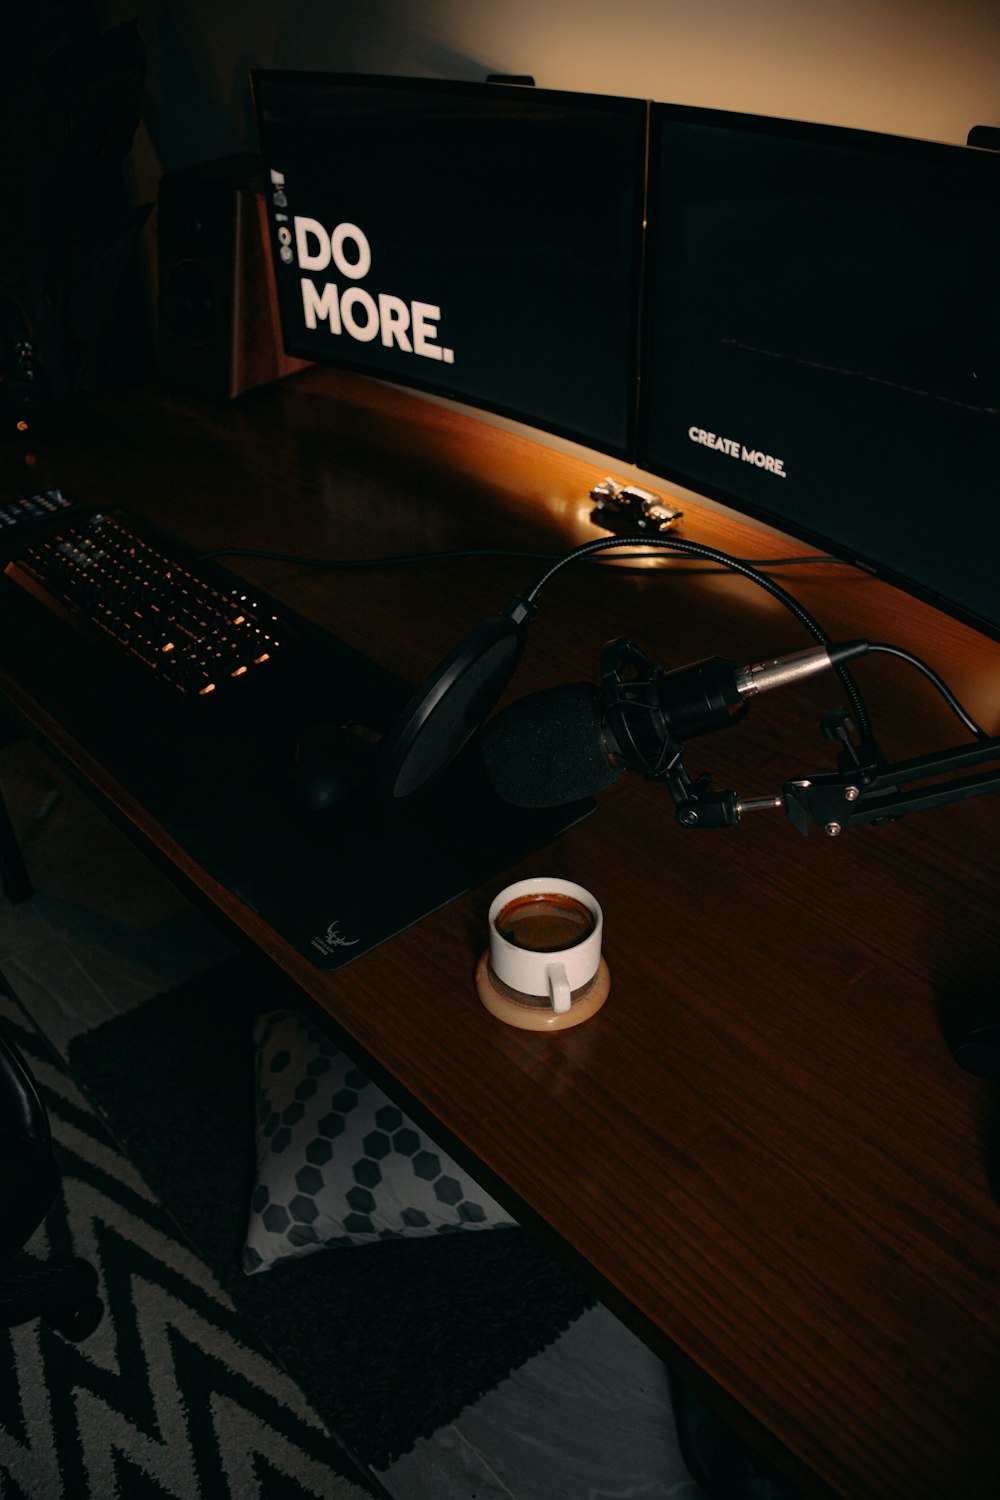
x=545, y=938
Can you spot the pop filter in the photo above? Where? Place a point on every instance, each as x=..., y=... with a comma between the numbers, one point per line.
x=445, y=712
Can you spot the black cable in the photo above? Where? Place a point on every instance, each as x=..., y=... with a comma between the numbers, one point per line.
x=595, y=551
x=349, y=564
x=939, y=683
x=697, y=549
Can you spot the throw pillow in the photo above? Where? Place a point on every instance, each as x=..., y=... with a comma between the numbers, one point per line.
x=337, y=1162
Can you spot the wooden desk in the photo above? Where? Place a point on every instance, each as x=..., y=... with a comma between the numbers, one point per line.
x=760, y=1150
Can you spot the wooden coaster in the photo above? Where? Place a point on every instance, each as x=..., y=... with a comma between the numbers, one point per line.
x=533, y=1012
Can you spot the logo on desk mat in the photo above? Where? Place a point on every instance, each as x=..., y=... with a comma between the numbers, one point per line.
x=332, y=938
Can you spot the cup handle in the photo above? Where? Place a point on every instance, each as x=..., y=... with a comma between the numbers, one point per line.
x=558, y=987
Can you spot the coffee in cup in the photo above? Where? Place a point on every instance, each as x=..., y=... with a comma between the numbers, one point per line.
x=543, y=969
x=545, y=921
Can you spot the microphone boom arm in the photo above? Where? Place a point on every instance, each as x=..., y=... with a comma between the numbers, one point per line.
x=876, y=792
x=843, y=799
x=647, y=713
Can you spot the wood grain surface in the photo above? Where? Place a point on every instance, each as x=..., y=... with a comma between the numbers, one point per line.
x=760, y=1150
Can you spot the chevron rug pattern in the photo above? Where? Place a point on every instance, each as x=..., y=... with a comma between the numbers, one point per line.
x=173, y=1395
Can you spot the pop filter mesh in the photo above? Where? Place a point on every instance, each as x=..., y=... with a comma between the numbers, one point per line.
x=455, y=717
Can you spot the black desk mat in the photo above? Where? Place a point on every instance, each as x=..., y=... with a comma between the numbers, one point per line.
x=217, y=777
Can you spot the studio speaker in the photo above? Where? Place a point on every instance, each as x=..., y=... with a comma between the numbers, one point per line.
x=219, y=329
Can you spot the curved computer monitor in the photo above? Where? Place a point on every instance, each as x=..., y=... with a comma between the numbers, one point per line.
x=822, y=341
x=480, y=241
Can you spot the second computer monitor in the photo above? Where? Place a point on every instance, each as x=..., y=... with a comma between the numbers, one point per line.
x=823, y=340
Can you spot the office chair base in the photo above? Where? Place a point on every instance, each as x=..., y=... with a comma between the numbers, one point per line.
x=717, y=1459
x=62, y=1293
x=15, y=882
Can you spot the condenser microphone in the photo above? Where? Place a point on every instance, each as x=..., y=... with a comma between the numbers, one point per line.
x=572, y=741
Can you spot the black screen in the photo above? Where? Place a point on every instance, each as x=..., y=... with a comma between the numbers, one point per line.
x=823, y=341
x=477, y=240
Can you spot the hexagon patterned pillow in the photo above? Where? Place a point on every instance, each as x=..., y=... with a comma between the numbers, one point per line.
x=337, y=1162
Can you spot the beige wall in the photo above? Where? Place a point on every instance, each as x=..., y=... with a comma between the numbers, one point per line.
x=928, y=68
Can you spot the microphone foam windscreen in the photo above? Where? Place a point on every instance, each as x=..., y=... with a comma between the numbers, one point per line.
x=546, y=749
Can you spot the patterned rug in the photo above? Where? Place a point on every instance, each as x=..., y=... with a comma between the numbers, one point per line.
x=175, y=1394
x=390, y=1342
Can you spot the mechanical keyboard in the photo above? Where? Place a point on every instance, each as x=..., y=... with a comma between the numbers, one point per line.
x=28, y=510
x=195, y=629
